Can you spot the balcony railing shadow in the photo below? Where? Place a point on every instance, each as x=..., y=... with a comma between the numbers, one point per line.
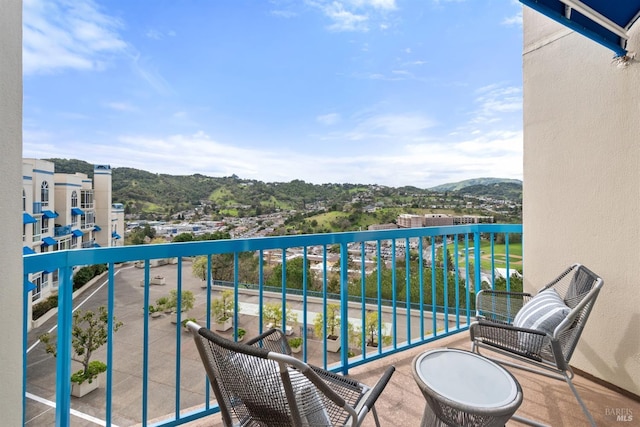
x=403, y=288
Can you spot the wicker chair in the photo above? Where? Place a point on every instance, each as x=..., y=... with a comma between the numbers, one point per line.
x=260, y=384
x=528, y=333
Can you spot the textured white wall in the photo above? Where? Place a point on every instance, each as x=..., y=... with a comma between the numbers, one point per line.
x=582, y=185
x=11, y=211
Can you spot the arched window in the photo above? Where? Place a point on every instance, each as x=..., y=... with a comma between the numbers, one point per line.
x=74, y=199
x=44, y=193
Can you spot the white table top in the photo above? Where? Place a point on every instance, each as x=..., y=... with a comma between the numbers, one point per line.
x=466, y=377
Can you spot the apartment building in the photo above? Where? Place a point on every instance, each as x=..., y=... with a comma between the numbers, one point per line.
x=65, y=211
x=439, y=220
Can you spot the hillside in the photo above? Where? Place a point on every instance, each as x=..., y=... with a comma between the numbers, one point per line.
x=456, y=186
x=152, y=195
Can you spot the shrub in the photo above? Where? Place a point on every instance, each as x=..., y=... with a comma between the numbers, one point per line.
x=43, y=307
x=84, y=274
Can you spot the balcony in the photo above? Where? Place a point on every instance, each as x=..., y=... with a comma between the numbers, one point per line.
x=62, y=230
x=155, y=375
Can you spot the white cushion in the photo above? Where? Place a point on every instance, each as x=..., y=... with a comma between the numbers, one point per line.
x=544, y=312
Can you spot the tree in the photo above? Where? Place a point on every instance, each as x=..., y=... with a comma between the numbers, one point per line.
x=333, y=322
x=199, y=267
x=88, y=333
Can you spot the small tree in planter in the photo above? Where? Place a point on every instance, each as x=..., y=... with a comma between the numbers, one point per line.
x=88, y=333
x=187, y=299
x=272, y=315
x=184, y=322
x=296, y=344
x=241, y=334
x=222, y=311
x=371, y=330
x=162, y=304
x=333, y=326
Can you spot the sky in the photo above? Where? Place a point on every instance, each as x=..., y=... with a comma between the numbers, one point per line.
x=388, y=92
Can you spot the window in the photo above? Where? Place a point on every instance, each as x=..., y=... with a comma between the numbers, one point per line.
x=74, y=220
x=74, y=199
x=45, y=225
x=37, y=230
x=87, y=199
x=45, y=280
x=44, y=193
x=74, y=242
x=24, y=232
x=54, y=280
x=35, y=295
x=64, y=244
x=24, y=200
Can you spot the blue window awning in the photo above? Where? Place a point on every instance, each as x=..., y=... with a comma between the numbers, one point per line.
x=96, y=228
x=116, y=235
x=26, y=250
x=47, y=271
x=77, y=233
x=29, y=286
x=48, y=241
x=28, y=219
x=49, y=214
x=77, y=211
x=605, y=21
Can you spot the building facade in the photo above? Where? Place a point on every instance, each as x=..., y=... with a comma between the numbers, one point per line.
x=581, y=157
x=65, y=211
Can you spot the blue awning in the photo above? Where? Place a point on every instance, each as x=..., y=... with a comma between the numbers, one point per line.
x=47, y=271
x=49, y=214
x=48, y=241
x=29, y=286
x=95, y=245
x=96, y=228
x=26, y=250
x=77, y=233
x=115, y=235
x=604, y=21
x=77, y=211
x=28, y=219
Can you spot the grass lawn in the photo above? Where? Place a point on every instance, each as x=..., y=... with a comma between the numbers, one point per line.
x=500, y=258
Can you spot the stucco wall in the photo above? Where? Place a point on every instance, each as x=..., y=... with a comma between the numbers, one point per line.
x=11, y=211
x=582, y=185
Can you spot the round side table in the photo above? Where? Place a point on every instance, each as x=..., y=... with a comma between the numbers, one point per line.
x=465, y=389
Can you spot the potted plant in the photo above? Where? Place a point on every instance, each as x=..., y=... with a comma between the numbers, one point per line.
x=333, y=326
x=187, y=299
x=88, y=333
x=184, y=322
x=371, y=330
x=155, y=311
x=162, y=304
x=222, y=311
x=272, y=316
x=296, y=344
x=241, y=334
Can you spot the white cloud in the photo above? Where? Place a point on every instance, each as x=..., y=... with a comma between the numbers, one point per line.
x=59, y=34
x=328, y=119
x=355, y=15
x=515, y=20
x=495, y=100
x=121, y=106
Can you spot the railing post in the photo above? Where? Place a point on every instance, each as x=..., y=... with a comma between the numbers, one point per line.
x=344, y=307
x=478, y=260
x=63, y=345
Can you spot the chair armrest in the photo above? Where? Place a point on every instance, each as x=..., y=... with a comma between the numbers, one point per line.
x=528, y=343
x=379, y=387
x=272, y=340
x=500, y=306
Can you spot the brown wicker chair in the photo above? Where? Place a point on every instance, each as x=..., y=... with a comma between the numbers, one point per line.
x=260, y=384
x=508, y=325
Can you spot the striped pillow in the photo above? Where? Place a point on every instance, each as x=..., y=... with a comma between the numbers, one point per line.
x=543, y=312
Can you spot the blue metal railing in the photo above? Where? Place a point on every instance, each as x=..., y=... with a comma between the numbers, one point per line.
x=411, y=297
